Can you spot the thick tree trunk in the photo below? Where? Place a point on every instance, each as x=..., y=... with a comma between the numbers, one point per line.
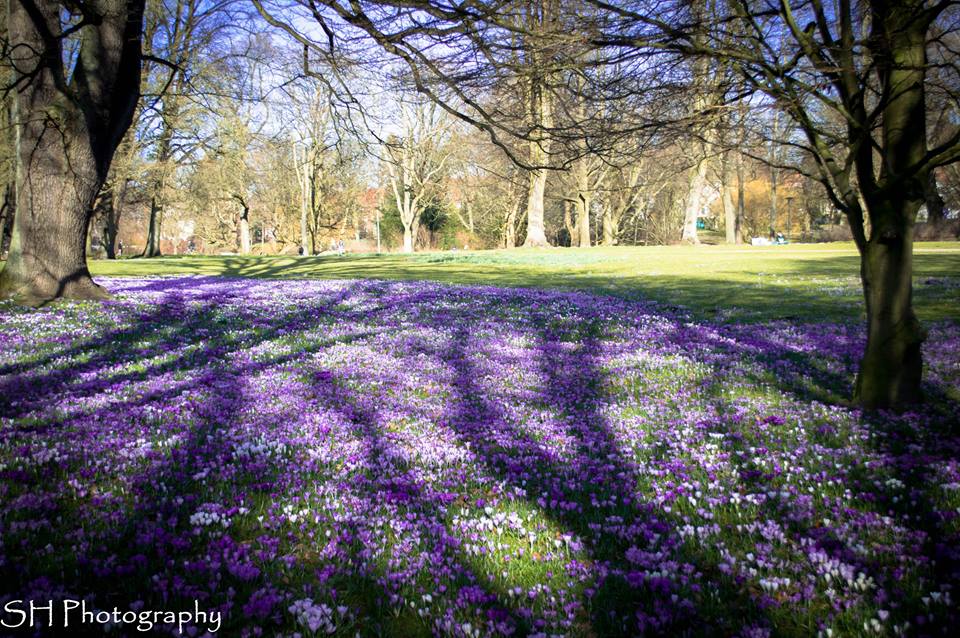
x=609, y=227
x=536, y=233
x=540, y=116
x=48, y=257
x=152, y=246
x=583, y=201
x=892, y=365
x=410, y=218
x=300, y=167
x=891, y=368
x=67, y=129
x=171, y=111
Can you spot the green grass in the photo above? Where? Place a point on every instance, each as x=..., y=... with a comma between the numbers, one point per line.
x=813, y=281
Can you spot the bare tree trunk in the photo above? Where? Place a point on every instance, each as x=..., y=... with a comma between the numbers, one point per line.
x=540, y=119
x=103, y=223
x=244, y=225
x=696, y=197
x=774, y=174
x=584, y=201
x=304, y=236
x=170, y=114
x=152, y=246
x=741, y=197
x=609, y=232
x=892, y=364
x=568, y=221
x=409, y=217
x=510, y=225
x=731, y=219
x=300, y=166
x=536, y=234
x=704, y=97
x=7, y=212
x=935, y=203
x=48, y=257
x=470, y=223
x=66, y=135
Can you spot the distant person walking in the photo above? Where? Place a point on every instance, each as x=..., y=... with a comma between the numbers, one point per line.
x=340, y=248
x=119, y=249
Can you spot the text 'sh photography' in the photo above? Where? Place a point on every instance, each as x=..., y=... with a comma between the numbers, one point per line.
x=80, y=617
x=480, y=318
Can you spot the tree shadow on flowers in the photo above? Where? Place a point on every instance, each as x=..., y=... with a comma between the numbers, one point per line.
x=635, y=574
x=408, y=572
x=879, y=474
x=172, y=450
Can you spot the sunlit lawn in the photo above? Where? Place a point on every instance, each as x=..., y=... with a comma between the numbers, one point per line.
x=745, y=282
x=327, y=453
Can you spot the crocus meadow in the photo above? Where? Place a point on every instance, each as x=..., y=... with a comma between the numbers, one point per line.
x=385, y=458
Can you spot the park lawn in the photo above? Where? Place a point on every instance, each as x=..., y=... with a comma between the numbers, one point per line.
x=321, y=450
x=799, y=281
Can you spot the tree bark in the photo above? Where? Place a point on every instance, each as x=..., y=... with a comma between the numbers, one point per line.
x=892, y=365
x=741, y=198
x=66, y=135
x=409, y=217
x=935, y=203
x=696, y=197
x=731, y=219
x=536, y=233
x=105, y=219
x=152, y=246
x=584, y=201
x=609, y=228
x=7, y=212
x=568, y=221
x=510, y=225
x=48, y=257
x=773, y=200
x=244, y=226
